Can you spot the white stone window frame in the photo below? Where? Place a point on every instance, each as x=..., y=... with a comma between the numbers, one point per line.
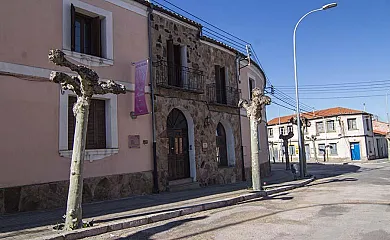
x=111, y=128
x=106, y=34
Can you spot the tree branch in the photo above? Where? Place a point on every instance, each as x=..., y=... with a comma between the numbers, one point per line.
x=109, y=87
x=67, y=82
x=243, y=104
x=58, y=58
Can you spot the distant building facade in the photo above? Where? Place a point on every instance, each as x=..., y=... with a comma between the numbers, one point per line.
x=335, y=134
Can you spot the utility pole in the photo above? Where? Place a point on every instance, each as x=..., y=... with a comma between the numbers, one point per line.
x=84, y=85
x=302, y=124
x=254, y=112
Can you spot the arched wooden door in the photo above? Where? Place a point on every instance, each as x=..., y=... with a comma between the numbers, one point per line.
x=178, y=157
x=221, y=146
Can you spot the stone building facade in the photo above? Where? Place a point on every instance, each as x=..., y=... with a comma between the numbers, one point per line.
x=195, y=78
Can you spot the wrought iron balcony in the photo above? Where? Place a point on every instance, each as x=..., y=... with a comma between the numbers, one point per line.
x=175, y=76
x=223, y=95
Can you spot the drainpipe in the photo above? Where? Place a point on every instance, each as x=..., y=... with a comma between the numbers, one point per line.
x=239, y=118
x=155, y=172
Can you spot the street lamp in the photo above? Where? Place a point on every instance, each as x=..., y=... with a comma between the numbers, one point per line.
x=301, y=162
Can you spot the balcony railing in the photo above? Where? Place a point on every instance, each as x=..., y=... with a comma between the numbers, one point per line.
x=222, y=95
x=175, y=76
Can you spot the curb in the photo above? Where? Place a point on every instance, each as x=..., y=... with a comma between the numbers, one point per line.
x=152, y=218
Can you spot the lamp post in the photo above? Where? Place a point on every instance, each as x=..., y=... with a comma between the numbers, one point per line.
x=301, y=163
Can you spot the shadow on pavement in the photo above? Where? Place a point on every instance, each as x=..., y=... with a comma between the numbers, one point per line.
x=23, y=221
x=149, y=232
x=333, y=181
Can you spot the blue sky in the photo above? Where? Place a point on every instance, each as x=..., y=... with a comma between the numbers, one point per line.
x=343, y=45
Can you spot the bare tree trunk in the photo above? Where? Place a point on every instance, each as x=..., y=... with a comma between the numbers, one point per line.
x=286, y=155
x=256, y=181
x=75, y=194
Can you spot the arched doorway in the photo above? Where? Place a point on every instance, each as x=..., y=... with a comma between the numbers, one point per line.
x=178, y=157
x=222, y=157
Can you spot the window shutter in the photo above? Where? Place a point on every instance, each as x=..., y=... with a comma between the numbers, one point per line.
x=170, y=60
x=72, y=26
x=96, y=37
x=100, y=124
x=71, y=121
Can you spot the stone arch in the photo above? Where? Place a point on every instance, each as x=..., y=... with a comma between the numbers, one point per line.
x=191, y=140
x=230, y=142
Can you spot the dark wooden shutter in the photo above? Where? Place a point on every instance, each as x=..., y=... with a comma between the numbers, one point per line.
x=100, y=124
x=218, y=83
x=250, y=88
x=96, y=130
x=72, y=32
x=222, y=76
x=170, y=60
x=96, y=37
x=71, y=121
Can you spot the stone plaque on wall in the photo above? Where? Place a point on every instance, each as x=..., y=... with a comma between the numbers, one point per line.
x=134, y=141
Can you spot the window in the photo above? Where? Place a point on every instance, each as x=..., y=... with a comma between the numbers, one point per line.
x=333, y=148
x=351, y=124
x=270, y=132
x=320, y=127
x=220, y=84
x=177, y=62
x=251, y=87
x=87, y=33
x=96, y=133
x=66, y=122
x=368, y=124
x=321, y=149
x=281, y=131
x=290, y=129
x=369, y=146
x=291, y=150
x=222, y=158
x=330, y=126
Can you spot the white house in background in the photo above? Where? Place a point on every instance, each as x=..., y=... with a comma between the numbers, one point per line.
x=380, y=131
x=339, y=134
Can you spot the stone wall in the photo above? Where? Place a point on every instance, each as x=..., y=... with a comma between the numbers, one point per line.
x=202, y=57
x=207, y=169
x=54, y=195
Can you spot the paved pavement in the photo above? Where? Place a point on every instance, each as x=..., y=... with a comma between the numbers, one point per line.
x=354, y=205
x=40, y=223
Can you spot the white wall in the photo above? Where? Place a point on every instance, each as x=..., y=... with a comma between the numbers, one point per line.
x=341, y=136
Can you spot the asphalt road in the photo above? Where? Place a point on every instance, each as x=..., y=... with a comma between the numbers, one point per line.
x=354, y=205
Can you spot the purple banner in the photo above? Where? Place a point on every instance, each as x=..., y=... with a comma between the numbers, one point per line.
x=140, y=107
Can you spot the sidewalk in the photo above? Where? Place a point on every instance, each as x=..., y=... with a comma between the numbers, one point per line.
x=30, y=225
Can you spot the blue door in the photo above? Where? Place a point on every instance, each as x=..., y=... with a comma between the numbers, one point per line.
x=355, y=151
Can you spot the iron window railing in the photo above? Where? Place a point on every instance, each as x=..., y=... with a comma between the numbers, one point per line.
x=175, y=76
x=222, y=95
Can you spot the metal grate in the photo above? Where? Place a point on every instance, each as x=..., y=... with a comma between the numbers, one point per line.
x=175, y=76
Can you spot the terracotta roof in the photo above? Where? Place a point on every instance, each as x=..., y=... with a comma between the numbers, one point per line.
x=336, y=111
x=380, y=127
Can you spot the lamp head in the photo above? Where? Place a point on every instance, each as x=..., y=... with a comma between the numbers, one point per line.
x=330, y=5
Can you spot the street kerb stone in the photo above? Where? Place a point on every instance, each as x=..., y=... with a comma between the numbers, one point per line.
x=135, y=222
x=212, y=205
x=115, y=226
x=192, y=209
x=164, y=216
x=88, y=232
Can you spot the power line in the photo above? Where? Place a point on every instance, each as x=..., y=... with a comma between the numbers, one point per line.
x=283, y=106
x=202, y=20
x=340, y=97
x=345, y=84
